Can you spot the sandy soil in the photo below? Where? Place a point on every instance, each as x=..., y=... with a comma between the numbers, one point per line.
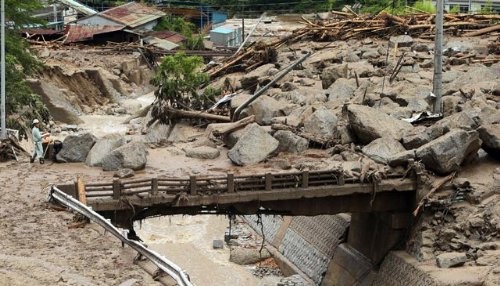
x=38, y=248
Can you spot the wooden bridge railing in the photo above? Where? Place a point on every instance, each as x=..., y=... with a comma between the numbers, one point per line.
x=198, y=185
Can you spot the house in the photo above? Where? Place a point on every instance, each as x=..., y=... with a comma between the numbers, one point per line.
x=98, y=34
x=473, y=6
x=134, y=16
x=227, y=36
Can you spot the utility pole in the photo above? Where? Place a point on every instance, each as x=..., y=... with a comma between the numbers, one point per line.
x=3, y=133
x=438, y=59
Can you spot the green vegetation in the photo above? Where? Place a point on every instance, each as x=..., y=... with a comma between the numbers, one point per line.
x=183, y=27
x=455, y=9
x=177, y=79
x=425, y=6
x=19, y=63
x=487, y=8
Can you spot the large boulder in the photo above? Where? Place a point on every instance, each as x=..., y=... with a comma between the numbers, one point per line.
x=332, y=73
x=76, y=148
x=321, y=123
x=132, y=155
x=490, y=135
x=382, y=149
x=445, y=154
x=202, y=152
x=265, y=108
x=245, y=256
x=258, y=76
x=253, y=146
x=289, y=142
x=102, y=148
x=421, y=135
x=369, y=124
x=342, y=89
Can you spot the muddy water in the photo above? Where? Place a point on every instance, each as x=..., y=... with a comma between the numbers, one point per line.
x=187, y=241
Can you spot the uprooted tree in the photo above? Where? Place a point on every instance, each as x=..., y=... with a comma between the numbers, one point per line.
x=178, y=79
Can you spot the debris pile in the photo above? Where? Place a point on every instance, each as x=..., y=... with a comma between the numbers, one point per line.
x=11, y=150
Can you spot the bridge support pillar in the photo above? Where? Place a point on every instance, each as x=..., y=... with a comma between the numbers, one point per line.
x=371, y=236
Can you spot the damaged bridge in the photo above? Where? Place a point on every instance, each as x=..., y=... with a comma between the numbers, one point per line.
x=293, y=194
x=380, y=210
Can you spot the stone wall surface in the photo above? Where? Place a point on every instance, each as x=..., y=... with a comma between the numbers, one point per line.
x=399, y=269
x=308, y=242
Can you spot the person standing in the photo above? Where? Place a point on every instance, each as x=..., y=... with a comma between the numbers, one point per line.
x=37, y=139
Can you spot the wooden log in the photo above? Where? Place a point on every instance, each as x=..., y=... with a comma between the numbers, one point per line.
x=233, y=126
x=80, y=188
x=195, y=114
x=436, y=185
x=482, y=31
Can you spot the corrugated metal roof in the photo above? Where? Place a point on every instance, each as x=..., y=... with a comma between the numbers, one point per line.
x=80, y=33
x=222, y=30
x=169, y=36
x=161, y=43
x=133, y=14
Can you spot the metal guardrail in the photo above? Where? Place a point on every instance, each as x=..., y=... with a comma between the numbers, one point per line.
x=161, y=262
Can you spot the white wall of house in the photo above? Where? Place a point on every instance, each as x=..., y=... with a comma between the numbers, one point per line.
x=97, y=20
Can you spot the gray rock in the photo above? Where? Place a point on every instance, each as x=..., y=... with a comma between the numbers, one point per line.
x=258, y=76
x=362, y=69
x=351, y=57
x=490, y=135
x=288, y=86
x=264, y=109
x=321, y=123
x=124, y=173
x=218, y=244
x=451, y=259
x=370, y=54
x=76, y=148
x=421, y=135
x=253, y=146
x=465, y=120
x=332, y=73
x=132, y=155
x=401, y=158
x=245, y=256
x=452, y=104
x=401, y=41
x=445, y=154
x=203, y=152
x=368, y=124
x=342, y=89
x=102, y=148
x=382, y=149
x=289, y=142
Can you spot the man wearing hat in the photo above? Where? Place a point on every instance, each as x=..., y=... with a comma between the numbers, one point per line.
x=37, y=139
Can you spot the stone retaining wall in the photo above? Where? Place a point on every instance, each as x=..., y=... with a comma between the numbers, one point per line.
x=307, y=242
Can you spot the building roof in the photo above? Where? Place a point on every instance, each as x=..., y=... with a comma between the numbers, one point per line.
x=132, y=14
x=80, y=33
x=222, y=30
x=170, y=36
x=160, y=43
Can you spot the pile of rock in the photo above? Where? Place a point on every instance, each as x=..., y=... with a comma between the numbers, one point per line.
x=111, y=152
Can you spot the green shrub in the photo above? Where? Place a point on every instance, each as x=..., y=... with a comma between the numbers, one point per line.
x=425, y=6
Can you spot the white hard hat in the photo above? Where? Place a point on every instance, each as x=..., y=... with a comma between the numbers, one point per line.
x=35, y=121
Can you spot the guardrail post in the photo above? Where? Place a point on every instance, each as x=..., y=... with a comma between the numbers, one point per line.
x=230, y=182
x=340, y=179
x=117, y=189
x=269, y=181
x=154, y=186
x=193, y=188
x=305, y=179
